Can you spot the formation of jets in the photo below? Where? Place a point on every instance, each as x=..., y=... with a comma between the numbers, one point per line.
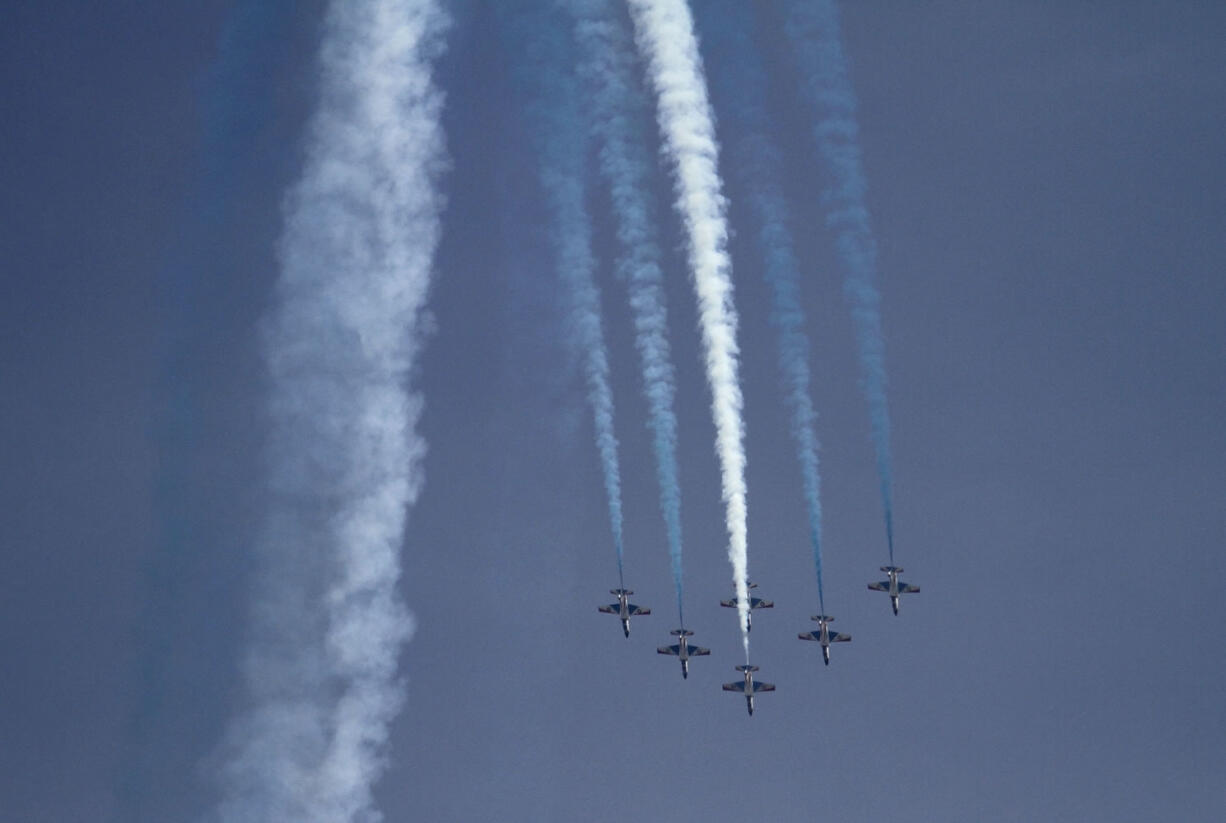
x=748, y=687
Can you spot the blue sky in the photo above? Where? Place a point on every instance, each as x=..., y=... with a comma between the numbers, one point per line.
x=1045, y=182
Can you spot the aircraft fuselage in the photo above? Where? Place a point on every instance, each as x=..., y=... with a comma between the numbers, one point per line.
x=893, y=586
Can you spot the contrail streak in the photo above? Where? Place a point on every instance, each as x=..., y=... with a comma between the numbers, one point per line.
x=344, y=458
x=665, y=34
x=813, y=29
x=560, y=138
x=738, y=71
x=607, y=68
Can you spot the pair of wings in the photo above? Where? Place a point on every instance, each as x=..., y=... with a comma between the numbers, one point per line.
x=758, y=686
x=691, y=651
x=903, y=588
x=754, y=603
x=631, y=609
x=835, y=637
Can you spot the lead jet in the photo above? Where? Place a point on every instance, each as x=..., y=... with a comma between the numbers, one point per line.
x=683, y=650
x=824, y=636
x=749, y=687
x=754, y=603
x=623, y=608
x=893, y=586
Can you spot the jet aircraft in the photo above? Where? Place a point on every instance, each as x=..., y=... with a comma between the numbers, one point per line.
x=824, y=636
x=623, y=608
x=749, y=687
x=754, y=603
x=893, y=586
x=683, y=650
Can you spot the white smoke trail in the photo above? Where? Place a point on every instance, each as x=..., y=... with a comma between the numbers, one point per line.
x=665, y=34
x=344, y=459
x=737, y=72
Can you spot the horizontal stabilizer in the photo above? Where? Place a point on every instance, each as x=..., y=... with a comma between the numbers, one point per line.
x=626, y=592
x=746, y=668
x=822, y=618
x=895, y=569
x=681, y=633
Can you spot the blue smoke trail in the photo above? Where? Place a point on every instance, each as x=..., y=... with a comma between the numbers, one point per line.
x=617, y=111
x=560, y=137
x=190, y=565
x=737, y=71
x=813, y=29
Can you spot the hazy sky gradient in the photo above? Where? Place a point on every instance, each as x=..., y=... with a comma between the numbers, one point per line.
x=1047, y=188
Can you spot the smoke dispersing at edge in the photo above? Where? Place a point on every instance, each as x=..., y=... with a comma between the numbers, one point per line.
x=344, y=459
x=813, y=29
x=560, y=138
x=665, y=34
x=607, y=67
x=738, y=72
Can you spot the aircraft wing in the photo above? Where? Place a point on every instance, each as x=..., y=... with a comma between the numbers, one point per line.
x=728, y=604
x=608, y=609
x=633, y=609
x=809, y=636
x=881, y=586
x=839, y=637
x=669, y=650
x=907, y=588
x=759, y=603
x=739, y=686
x=697, y=651
x=758, y=686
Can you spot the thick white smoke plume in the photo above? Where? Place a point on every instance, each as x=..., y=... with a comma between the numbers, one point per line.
x=664, y=30
x=344, y=459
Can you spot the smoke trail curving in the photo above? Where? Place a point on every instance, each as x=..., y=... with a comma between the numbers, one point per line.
x=737, y=71
x=665, y=34
x=561, y=143
x=813, y=29
x=607, y=68
x=344, y=459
